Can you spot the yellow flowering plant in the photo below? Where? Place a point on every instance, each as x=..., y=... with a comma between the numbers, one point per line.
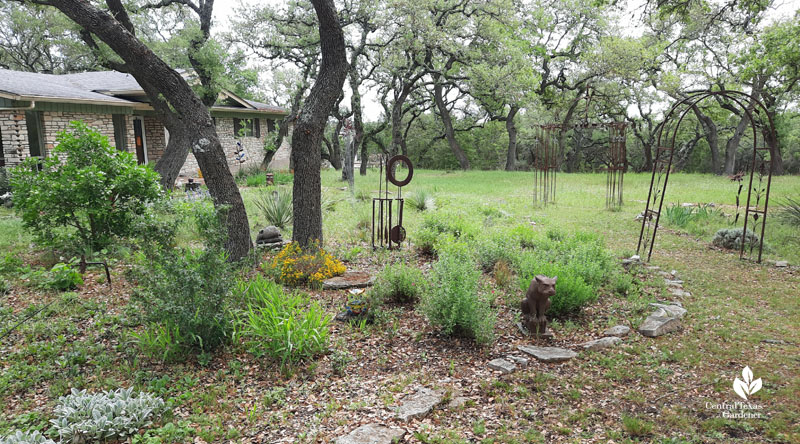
x=295, y=266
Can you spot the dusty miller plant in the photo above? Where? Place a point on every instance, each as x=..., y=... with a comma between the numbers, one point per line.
x=19, y=437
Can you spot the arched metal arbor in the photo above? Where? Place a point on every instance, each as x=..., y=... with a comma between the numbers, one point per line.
x=763, y=156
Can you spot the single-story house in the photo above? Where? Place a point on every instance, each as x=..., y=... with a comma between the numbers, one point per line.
x=34, y=108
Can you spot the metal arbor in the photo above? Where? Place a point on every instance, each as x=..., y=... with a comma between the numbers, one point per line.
x=761, y=164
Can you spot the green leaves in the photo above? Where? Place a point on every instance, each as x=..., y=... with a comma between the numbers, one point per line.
x=84, y=194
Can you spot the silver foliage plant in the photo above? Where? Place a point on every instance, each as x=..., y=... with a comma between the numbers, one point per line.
x=33, y=437
x=85, y=417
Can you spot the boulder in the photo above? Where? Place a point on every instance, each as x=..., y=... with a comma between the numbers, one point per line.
x=655, y=326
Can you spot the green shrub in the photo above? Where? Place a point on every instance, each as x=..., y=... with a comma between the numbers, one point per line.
x=438, y=226
x=286, y=327
x=276, y=206
x=19, y=437
x=184, y=289
x=572, y=291
x=86, y=193
x=492, y=248
x=580, y=261
x=63, y=277
x=83, y=417
x=4, y=287
x=731, y=238
x=453, y=303
x=256, y=180
x=398, y=283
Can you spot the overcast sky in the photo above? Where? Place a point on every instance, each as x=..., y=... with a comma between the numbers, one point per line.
x=629, y=20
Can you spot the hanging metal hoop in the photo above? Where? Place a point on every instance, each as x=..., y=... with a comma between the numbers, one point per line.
x=390, y=170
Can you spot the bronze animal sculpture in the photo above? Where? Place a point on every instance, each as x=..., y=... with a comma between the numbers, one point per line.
x=536, y=303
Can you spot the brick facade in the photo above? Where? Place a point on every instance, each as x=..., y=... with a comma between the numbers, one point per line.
x=15, y=137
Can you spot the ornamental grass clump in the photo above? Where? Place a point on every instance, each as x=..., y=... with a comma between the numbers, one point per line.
x=453, y=303
x=287, y=327
x=111, y=415
x=295, y=266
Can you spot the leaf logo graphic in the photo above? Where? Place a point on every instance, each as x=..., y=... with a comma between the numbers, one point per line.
x=747, y=386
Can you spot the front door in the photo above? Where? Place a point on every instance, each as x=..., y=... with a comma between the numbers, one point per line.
x=141, y=148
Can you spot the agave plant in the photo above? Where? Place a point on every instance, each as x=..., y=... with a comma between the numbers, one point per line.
x=276, y=206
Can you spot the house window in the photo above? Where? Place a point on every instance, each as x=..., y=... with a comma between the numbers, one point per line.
x=246, y=128
x=120, y=132
x=270, y=126
x=33, y=120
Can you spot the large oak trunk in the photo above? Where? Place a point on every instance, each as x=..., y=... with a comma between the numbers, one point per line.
x=449, y=132
x=511, y=128
x=310, y=125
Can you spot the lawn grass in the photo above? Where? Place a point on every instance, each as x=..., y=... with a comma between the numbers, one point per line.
x=646, y=390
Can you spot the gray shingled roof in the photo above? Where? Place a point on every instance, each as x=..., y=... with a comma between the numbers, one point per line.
x=85, y=87
x=70, y=86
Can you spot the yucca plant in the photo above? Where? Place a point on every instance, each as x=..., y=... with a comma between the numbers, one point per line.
x=790, y=213
x=421, y=200
x=276, y=206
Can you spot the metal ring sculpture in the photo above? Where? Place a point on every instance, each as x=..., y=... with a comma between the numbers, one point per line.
x=662, y=164
x=390, y=170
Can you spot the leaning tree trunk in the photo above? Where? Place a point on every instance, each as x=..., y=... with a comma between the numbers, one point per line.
x=358, y=119
x=177, y=105
x=449, y=132
x=171, y=162
x=511, y=127
x=307, y=137
x=712, y=137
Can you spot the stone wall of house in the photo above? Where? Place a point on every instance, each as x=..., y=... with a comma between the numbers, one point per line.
x=14, y=133
x=253, y=147
x=155, y=139
x=15, y=138
x=55, y=122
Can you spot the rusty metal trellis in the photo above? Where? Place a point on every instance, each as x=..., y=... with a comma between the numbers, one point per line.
x=545, y=163
x=761, y=164
x=547, y=156
x=617, y=163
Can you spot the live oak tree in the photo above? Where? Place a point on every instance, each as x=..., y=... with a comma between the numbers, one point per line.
x=178, y=107
x=310, y=125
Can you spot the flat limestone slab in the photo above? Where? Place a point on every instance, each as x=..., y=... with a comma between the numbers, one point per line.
x=601, y=343
x=350, y=279
x=668, y=310
x=548, y=354
x=617, y=330
x=419, y=404
x=371, y=434
x=502, y=365
x=655, y=326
